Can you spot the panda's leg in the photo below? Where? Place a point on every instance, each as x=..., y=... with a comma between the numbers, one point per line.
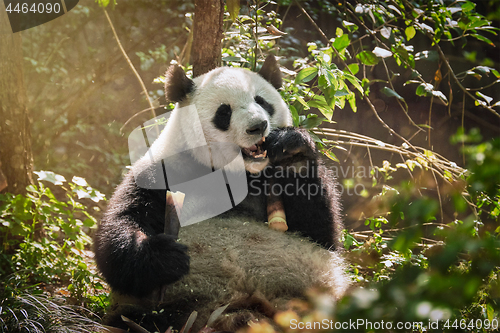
x=311, y=206
x=305, y=185
x=132, y=251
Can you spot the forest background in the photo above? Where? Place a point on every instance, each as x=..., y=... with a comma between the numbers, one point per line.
x=401, y=96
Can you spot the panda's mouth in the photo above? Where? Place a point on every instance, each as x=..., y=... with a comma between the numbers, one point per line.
x=255, y=151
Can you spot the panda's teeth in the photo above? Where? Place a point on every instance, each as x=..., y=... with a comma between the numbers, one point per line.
x=256, y=151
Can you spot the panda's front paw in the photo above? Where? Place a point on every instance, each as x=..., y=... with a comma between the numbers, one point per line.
x=289, y=144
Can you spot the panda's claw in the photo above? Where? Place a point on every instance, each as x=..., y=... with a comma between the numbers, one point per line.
x=285, y=143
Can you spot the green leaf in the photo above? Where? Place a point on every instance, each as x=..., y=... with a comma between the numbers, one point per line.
x=391, y=93
x=301, y=101
x=427, y=89
x=468, y=6
x=394, y=8
x=351, y=98
x=341, y=93
x=269, y=37
x=233, y=7
x=311, y=121
x=410, y=32
x=332, y=77
x=105, y=3
x=386, y=32
x=424, y=89
x=483, y=39
x=295, y=115
x=488, y=99
x=306, y=75
x=89, y=223
x=320, y=103
x=79, y=181
x=350, y=26
x=477, y=24
x=427, y=55
x=490, y=312
x=327, y=78
x=382, y=53
x=367, y=58
x=50, y=177
x=341, y=42
x=331, y=156
x=311, y=46
x=354, y=68
x=440, y=95
x=234, y=58
x=355, y=82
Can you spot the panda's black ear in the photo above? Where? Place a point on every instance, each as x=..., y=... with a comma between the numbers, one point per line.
x=177, y=84
x=271, y=71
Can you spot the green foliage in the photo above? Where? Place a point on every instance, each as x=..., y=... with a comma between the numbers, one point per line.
x=394, y=25
x=38, y=314
x=409, y=264
x=44, y=238
x=423, y=271
x=413, y=268
x=484, y=162
x=106, y=3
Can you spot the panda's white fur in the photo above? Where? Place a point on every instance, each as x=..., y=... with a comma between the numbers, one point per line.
x=234, y=259
x=245, y=265
x=236, y=87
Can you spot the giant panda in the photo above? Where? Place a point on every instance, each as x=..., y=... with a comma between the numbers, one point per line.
x=233, y=258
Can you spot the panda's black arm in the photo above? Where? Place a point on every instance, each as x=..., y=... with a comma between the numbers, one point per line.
x=131, y=250
x=307, y=187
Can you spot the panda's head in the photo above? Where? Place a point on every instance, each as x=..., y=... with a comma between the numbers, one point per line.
x=234, y=105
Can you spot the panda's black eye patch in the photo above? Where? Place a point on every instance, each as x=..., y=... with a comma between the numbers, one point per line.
x=265, y=105
x=222, y=117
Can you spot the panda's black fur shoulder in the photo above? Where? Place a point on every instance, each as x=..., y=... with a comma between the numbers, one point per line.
x=232, y=259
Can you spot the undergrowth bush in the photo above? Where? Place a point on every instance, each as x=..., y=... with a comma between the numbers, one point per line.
x=44, y=242
x=39, y=314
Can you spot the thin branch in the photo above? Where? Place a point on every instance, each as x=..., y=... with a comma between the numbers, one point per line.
x=256, y=48
x=409, y=172
x=405, y=109
x=438, y=163
x=457, y=81
x=144, y=90
x=366, y=98
x=135, y=115
x=313, y=23
x=439, y=195
x=483, y=87
x=388, y=239
x=397, y=230
x=430, y=123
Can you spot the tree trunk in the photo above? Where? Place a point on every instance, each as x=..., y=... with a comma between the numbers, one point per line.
x=207, y=38
x=16, y=160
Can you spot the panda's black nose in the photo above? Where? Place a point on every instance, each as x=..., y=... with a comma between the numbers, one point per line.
x=258, y=128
